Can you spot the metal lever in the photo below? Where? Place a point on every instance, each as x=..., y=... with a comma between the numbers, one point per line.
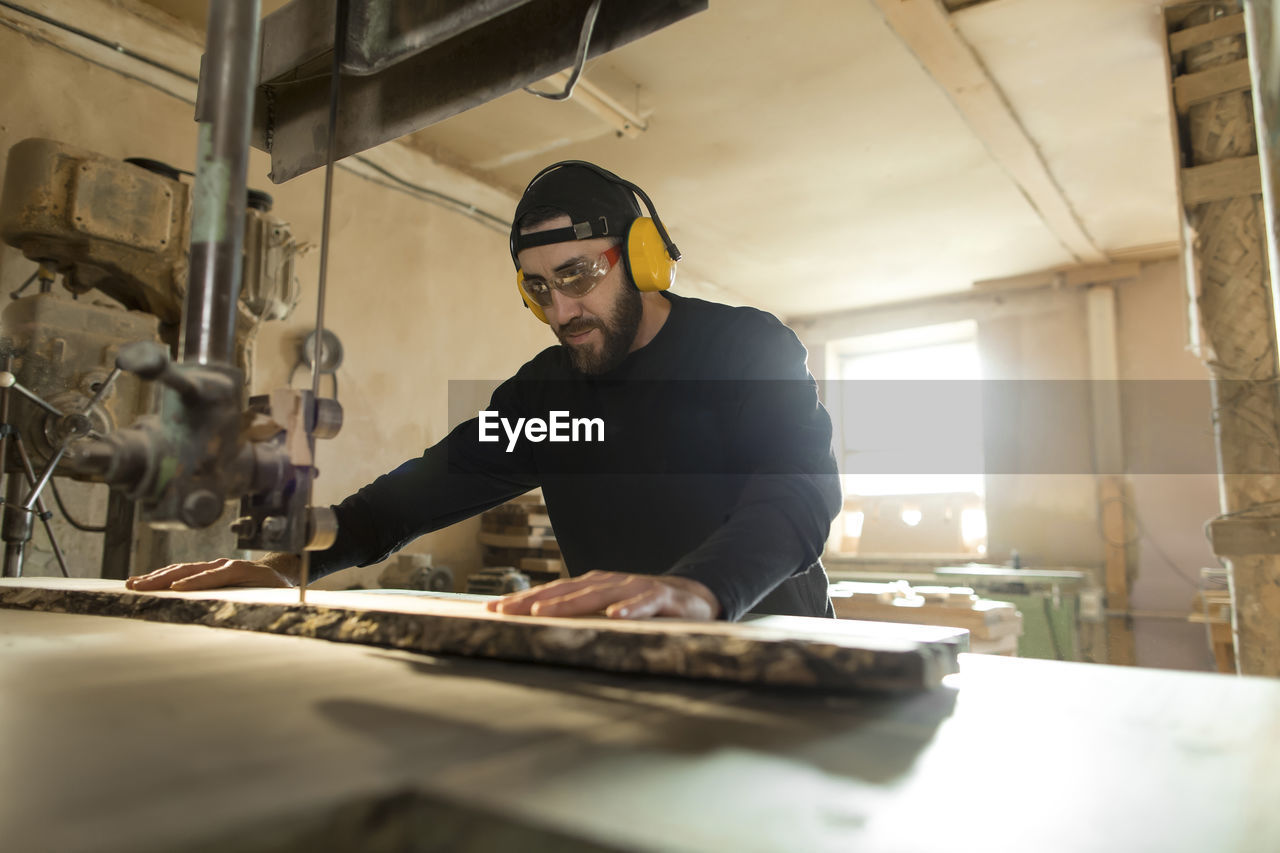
x=70, y=427
x=8, y=380
x=18, y=532
x=195, y=386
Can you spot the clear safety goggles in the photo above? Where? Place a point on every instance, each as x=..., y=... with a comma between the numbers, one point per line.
x=576, y=279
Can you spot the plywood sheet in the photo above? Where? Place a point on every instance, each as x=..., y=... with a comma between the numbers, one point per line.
x=781, y=651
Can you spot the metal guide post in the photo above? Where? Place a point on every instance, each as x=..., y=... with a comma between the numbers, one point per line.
x=335, y=80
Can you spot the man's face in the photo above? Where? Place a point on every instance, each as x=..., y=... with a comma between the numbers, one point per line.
x=598, y=329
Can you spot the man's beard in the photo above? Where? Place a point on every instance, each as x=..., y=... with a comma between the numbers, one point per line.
x=617, y=333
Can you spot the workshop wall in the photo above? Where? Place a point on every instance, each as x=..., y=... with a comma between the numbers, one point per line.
x=1169, y=510
x=420, y=295
x=1053, y=520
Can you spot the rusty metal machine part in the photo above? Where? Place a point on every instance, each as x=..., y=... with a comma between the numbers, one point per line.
x=182, y=471
x=66, y=349
x=183, y=464
x=63, y=351
x=122, y=227
x=22, y=507
x=391, y=48
x=218, y=201
x=100, y=222
x=280, y=518
x=269, y=288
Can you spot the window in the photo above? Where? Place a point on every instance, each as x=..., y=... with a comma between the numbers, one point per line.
x=907, y=413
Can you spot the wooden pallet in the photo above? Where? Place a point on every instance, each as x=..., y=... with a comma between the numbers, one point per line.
x=518, y=534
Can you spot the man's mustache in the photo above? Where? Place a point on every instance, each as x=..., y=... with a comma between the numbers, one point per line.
x=577, y=327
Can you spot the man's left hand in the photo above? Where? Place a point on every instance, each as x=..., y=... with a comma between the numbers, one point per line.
x=619, y=595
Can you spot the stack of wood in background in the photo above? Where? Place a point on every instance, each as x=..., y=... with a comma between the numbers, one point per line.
x=994, y=626
x=1212, y=608
x=518, y=534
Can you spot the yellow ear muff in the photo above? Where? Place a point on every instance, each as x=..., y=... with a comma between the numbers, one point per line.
x=529, y=303
x=647, y=260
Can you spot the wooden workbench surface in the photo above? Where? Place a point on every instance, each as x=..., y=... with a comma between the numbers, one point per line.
x=123, y=735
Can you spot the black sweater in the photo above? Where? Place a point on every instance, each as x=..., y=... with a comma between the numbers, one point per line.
x=715, y=465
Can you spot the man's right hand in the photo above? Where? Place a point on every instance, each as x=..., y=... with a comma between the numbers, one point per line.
x=273, y=570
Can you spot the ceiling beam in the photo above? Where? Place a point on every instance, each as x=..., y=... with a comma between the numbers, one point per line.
x=928, y=32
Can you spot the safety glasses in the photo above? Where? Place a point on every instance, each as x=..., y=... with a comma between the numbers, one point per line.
x=576, y=279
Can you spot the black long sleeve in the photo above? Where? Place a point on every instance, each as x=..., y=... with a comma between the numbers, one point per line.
x=779, y=524
x=715, y=464
x=451, y=481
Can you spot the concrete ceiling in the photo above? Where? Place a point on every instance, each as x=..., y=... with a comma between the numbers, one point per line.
x=806, y=161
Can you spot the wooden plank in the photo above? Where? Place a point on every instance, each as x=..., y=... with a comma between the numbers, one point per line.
x=542, y=564
x=1236, y=537
x=1111, y=500
x=1231, y=25
x=999, y=646
x=1224, y=647
x=928, y=32
x=496, y=525
x=1104, y=373
x=500, y=540
x=983, y=613
x=1192, y=89
x=1081, y=275
x=1108, y=444
x=780, y=651
x=1239, y=176
x=1091, y=274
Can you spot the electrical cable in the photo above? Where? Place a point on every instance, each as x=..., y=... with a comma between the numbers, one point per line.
x=57, y=497
x=584, y=43
x=116, y=46
x=1144, y=534
x=427, y=194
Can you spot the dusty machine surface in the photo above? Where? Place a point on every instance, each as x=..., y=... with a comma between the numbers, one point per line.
x=100, y=223
x=387, y=49
x=115, y=234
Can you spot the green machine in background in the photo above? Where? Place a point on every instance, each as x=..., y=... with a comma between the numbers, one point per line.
x=1052, y=603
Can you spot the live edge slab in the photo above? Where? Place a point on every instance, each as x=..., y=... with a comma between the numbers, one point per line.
x=775, y=651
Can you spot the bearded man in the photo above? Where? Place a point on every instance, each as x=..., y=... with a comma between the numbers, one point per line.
x=710, y=487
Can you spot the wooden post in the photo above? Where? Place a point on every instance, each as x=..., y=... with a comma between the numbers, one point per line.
x=1231, y=280
x=1111, y=501
x=1108, y=454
